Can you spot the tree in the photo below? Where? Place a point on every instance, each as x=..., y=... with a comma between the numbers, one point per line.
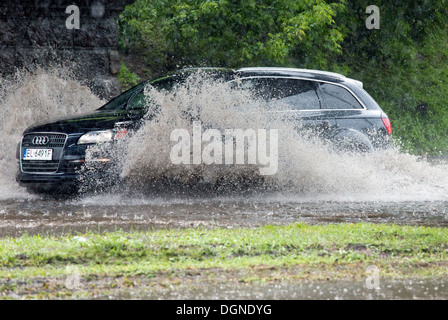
x=230, y=33
x=403, y=64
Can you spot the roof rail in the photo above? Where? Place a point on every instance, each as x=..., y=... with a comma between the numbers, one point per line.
x=333, y=74
x=309, y=71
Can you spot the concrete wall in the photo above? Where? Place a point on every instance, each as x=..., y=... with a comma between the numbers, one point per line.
x=34, y=33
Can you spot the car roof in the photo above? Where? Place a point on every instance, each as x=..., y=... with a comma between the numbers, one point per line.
x=278, y=71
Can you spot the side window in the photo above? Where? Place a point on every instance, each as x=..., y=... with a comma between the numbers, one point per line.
x=283, y=93
x=336, y=97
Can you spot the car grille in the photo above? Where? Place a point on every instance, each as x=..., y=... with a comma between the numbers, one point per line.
x=56, y=142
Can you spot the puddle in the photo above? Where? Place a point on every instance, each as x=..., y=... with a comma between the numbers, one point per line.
x=35, y=216
x=331, y=290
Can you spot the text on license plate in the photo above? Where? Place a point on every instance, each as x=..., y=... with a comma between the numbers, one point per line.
x=37, y=154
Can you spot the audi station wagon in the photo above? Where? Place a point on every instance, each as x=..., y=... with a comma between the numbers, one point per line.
x=50, y=155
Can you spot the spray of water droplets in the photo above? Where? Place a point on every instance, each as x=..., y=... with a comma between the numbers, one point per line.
x=307, y=167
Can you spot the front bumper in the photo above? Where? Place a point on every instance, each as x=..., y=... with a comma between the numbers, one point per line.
x=62, y=170
x=66, y=179
x=54, y=178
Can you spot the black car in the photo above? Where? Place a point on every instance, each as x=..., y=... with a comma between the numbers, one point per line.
x=51, y=154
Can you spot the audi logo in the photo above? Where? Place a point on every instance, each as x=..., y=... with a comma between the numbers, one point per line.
x=41, y=140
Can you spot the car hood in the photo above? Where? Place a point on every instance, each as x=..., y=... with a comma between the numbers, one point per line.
x=97, y=120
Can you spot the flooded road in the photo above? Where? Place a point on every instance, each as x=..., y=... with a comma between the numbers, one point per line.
x=419, y=289
x=112, y=212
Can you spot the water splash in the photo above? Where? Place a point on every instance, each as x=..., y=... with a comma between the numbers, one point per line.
x=27, y=98
x=307, y=168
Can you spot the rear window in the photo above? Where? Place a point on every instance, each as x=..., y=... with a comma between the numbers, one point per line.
x=336, y=97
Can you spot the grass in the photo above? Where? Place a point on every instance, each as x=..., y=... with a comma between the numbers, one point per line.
x=244, y=255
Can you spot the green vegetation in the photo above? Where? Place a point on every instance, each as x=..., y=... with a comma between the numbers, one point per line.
x=264, y=254
x=224, y=33
x=403, y=64
x=127, y=78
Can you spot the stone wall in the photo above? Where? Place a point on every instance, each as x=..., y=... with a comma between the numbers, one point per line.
x=34, y=33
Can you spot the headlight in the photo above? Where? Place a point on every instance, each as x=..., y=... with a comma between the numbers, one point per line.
x=96, y=137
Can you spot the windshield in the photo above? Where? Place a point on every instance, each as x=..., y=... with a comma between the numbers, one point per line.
x=119, y=103
x=141, y=101
x=135, y=99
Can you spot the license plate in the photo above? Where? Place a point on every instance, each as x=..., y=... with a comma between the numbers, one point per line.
x=38, y=154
